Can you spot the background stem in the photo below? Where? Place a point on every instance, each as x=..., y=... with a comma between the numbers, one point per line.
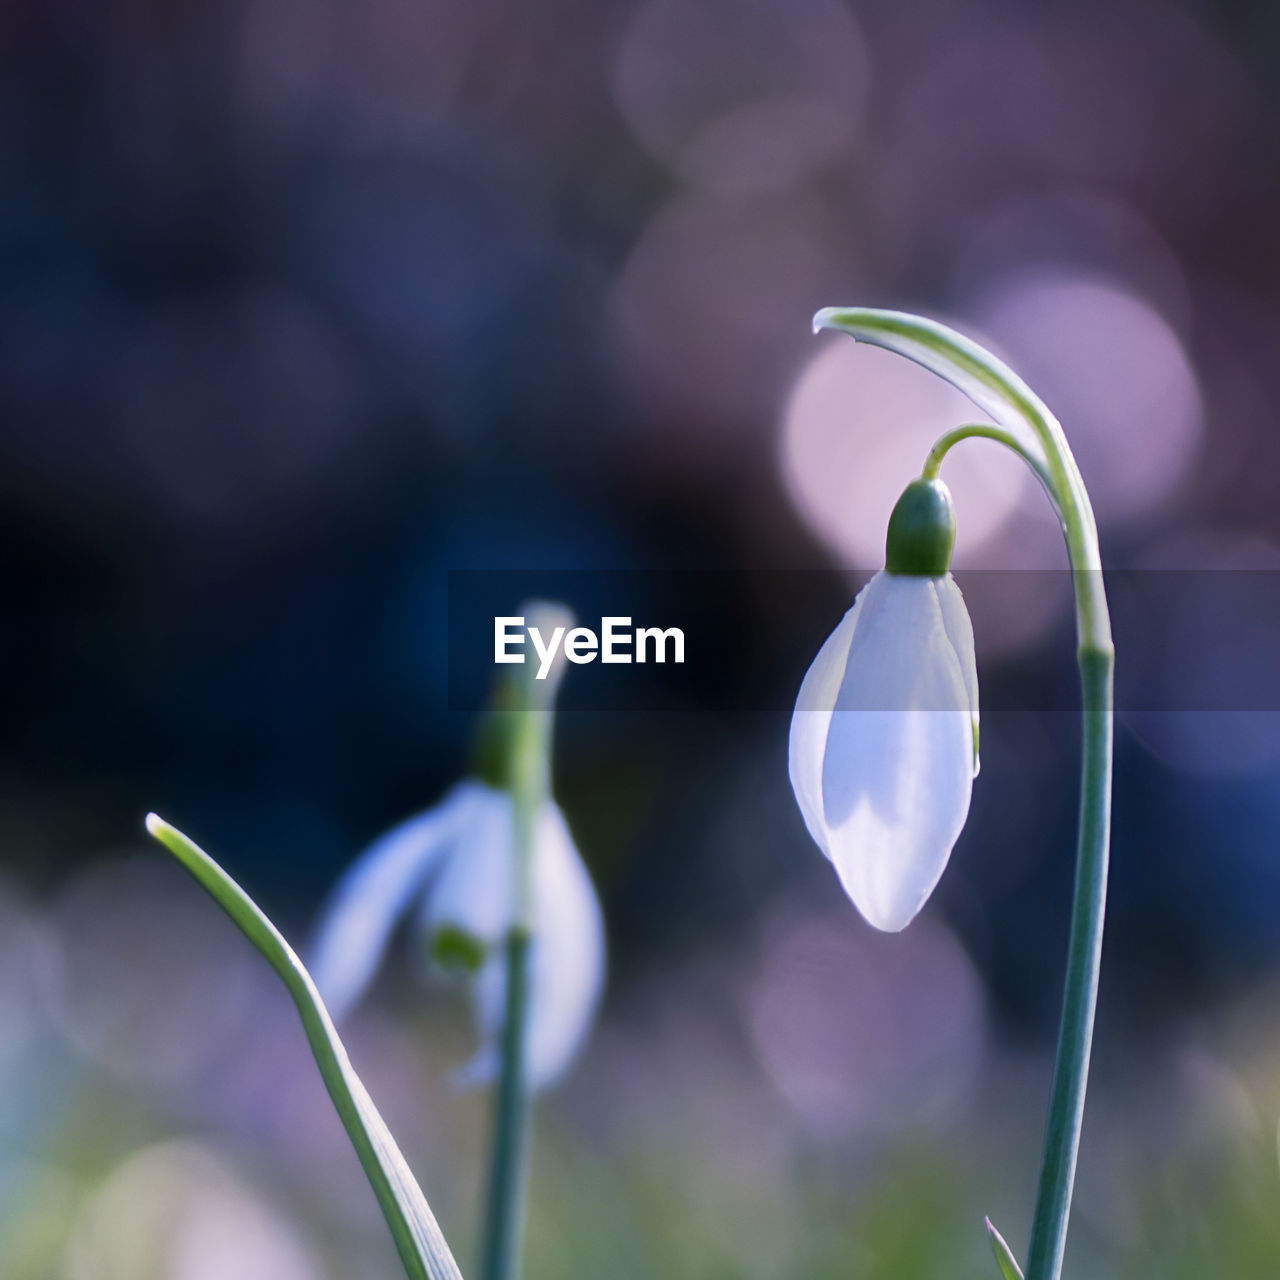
x=529, y=781
x=504, y=1208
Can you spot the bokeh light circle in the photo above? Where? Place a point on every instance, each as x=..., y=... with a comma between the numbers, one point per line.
x=712, y=309
x=149, y=982
x=179, y=1212
x=1113, y=371
x=865, y=1032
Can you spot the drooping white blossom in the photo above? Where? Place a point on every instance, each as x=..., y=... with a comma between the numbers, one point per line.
x=884, y=742
x=453, y=863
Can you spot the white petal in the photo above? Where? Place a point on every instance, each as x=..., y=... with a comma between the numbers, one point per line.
x=473, y=892
x=959, y=628
x=567, y=964
x=361, y=914
x=568, y=952
x=812, y=718
x=897, y=771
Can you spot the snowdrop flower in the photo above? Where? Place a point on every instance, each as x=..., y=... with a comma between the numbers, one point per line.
x=453, y=864
x=457, y=867
x=884, y=738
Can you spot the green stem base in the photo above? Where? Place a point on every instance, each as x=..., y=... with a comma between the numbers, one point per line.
x=504, y=1205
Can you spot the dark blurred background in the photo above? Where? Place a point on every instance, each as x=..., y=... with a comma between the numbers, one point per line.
x=304, y=305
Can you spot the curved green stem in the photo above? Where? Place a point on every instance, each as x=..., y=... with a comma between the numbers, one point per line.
x=983, y=431
x=529, y=782
x=999, y=391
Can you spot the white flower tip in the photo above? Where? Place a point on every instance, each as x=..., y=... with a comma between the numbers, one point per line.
x=887, y=913
x=156, y=825
x=891, y=923
x=887, y=923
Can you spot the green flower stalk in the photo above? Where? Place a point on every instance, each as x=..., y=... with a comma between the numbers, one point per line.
x=529, y=781
x=889, y=831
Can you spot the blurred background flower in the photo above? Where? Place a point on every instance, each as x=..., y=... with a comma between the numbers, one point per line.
x=304, y=305
x=450, y=867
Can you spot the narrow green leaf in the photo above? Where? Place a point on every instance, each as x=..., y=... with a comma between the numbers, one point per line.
x=988, y=382
x=1008, y=1264
x=418, y=1238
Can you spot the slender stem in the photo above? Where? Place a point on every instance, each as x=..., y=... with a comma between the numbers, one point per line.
x=1096, y=659
x=1084, y=957
x=530, y=785
x=983, y=431
x=504, y=1211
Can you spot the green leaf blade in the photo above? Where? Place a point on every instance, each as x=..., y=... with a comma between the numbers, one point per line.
x=970, y=368
x=418, y=1238
x=1005, y=1260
